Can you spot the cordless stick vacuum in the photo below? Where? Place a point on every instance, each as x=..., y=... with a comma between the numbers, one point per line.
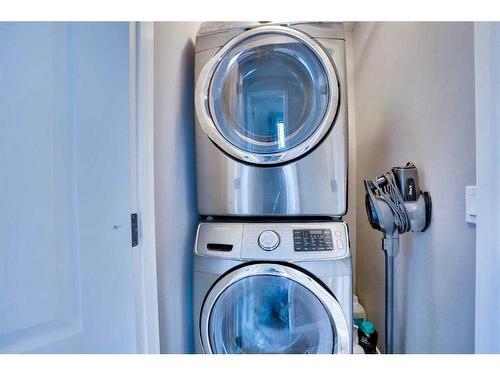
x=395, y=205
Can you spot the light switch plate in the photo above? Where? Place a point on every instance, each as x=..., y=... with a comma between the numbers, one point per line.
x=470, y=204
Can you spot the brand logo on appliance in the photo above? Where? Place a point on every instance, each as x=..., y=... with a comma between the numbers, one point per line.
x=410, y=190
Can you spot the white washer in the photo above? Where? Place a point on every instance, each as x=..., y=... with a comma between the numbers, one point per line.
x=271, y=119
x=272, y=288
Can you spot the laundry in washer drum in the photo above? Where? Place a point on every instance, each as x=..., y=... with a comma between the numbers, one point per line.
x=271, y=315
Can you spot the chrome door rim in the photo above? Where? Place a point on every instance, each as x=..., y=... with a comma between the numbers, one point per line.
x=331, y=305
x=204, y=107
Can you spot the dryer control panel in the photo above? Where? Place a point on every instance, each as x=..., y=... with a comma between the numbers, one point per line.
x=274, y=241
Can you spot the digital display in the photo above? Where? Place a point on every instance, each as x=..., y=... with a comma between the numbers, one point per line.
x=320, y=231
x=312, y=240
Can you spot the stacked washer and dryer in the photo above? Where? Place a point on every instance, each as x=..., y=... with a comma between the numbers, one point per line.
x=272, y=264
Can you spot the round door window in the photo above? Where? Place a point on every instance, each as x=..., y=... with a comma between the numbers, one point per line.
x=270, y=314
x=270, y=93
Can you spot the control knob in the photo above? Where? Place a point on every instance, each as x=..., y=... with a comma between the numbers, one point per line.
x=269, y=240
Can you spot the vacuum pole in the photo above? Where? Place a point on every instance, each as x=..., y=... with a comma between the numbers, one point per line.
x=395, y=205
x=391, y=250
x=389, y=303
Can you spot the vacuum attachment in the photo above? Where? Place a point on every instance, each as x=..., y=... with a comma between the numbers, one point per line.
x=394, y=202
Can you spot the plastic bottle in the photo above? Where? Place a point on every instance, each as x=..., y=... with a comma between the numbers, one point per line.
x=358, y=312
x=356, y=348
x=368, y=337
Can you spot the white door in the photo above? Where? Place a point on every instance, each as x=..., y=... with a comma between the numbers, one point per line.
x=66, y=260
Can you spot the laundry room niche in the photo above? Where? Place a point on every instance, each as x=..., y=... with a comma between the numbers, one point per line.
x=410, y=93
x=412, y=99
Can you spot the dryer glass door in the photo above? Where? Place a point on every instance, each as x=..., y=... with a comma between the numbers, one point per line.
x=272, y=96
x=271, y=313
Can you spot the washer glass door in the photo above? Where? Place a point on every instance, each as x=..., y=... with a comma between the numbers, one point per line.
x=272, y=92
x=270, y=314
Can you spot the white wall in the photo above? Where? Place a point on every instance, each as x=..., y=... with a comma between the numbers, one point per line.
x=175, y=194
x=414, y=92
x=487, y=64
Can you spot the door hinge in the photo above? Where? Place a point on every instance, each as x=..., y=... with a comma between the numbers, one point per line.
x=135, y=229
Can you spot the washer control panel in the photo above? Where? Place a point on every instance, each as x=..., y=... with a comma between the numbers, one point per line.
x=312, y=239
x=286, y=241
x=269, y=240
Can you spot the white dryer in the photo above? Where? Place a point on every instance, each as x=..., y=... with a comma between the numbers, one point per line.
x=271, y=119
x=272, y=288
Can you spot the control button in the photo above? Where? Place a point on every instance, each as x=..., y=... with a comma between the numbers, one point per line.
x=269, y=240
x=338, y=233
x=340, y=244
